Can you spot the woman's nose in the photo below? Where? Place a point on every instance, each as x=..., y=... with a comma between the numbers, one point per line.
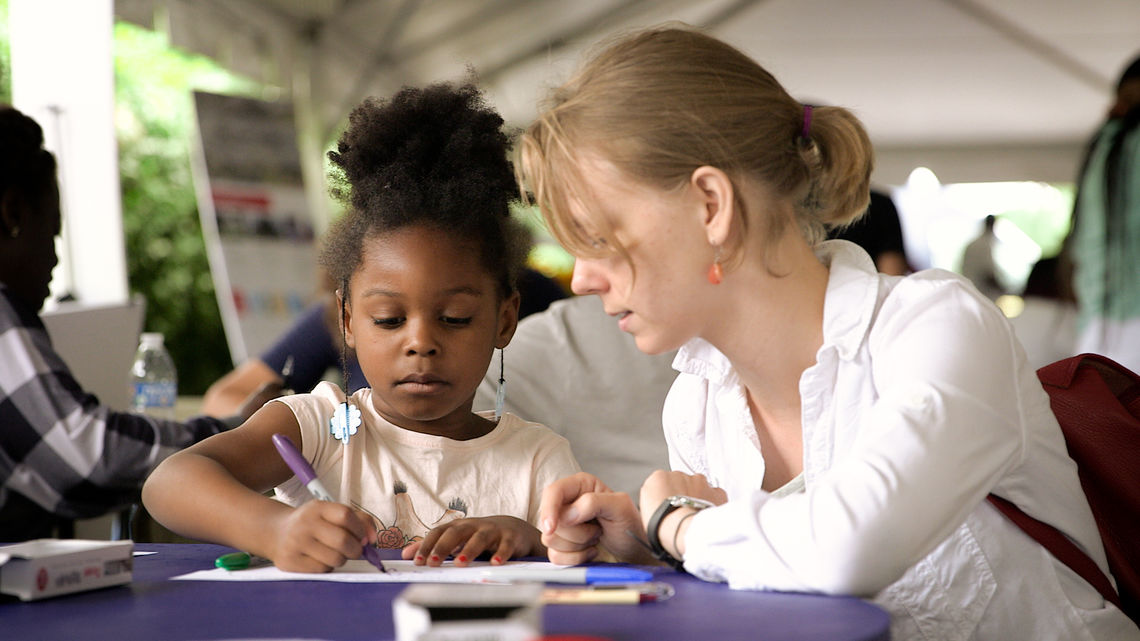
x=588, y=278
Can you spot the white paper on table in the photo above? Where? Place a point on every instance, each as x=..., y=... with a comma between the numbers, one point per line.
x=361, y=571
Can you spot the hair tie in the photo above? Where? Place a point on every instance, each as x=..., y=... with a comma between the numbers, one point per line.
x=806, y=133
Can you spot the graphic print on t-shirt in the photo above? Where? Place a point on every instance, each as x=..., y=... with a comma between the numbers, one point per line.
x=408, y=527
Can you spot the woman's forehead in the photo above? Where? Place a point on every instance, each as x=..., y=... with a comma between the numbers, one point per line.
x=602, y=191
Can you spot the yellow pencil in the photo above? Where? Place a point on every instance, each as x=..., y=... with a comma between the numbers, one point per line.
x=588, y=596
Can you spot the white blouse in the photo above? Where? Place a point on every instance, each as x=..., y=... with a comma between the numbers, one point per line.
x=920, y=403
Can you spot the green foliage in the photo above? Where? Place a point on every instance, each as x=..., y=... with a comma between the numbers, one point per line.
x=166, y=255
x=5, y=56
x=1047, y=223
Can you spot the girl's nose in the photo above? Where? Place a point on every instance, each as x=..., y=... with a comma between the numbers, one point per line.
x=420, y=339
x=588, y=278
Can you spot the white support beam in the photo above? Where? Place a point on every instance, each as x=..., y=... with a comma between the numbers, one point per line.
x=63, y=77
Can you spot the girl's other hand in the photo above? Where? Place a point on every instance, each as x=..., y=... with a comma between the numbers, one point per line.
x=580, y=514
x=319, y=536
x=505, y=537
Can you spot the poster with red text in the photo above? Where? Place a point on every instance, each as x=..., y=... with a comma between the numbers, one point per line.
x=255, y=219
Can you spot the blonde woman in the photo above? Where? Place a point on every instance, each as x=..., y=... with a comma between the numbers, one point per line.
x=832, y=429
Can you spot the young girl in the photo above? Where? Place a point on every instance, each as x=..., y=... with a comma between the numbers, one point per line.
x=832, y=429
x=426, y=258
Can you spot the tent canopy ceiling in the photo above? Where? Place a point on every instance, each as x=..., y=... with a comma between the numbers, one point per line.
x=921, y=74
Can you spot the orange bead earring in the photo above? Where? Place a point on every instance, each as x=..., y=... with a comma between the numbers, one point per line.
x=716, y=272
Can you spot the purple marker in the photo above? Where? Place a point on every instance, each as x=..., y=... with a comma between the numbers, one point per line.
x=300, y=467
x=305, y=473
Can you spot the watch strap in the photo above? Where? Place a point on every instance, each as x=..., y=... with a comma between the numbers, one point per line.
x=666, y=508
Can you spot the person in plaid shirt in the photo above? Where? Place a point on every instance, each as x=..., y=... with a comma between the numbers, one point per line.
x=63, y=455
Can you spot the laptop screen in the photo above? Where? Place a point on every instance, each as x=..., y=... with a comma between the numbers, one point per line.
x=98, y=343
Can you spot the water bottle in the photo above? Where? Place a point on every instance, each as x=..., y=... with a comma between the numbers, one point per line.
x=153, y=380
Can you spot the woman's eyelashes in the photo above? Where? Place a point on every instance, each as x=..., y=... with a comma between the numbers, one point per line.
x=593, y=240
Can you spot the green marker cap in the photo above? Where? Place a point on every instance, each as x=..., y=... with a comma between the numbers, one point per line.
x=233, y=561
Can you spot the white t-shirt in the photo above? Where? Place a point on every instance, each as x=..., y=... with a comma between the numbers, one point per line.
x=570, y=367
x=411, y=482
x=920, y=403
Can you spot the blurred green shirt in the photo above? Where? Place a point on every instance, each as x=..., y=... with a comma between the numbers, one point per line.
x=1107, y=253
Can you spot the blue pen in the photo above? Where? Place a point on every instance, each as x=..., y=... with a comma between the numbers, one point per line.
x=306, y=475
x=583, y=575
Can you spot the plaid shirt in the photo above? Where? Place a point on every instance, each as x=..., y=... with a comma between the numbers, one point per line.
x=62, y=454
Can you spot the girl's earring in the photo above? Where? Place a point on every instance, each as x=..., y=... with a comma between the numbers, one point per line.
x=346, y=419
x=15, y=233
x=716, y=272
x=502, y=395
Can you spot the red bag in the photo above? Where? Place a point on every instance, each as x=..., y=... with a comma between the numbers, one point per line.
x=1097, y=403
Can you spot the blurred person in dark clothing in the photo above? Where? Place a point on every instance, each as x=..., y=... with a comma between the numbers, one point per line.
x=63, y=454
x=879, y=231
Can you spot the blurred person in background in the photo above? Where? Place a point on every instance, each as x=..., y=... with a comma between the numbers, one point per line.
x=879, y=231
x=571, y=368
x=1047, y=324
x=1104, y=243
x=63, y=454
x=978, y=261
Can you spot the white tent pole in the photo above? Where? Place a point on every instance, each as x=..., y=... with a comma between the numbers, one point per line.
x=63, y=77
x=310, y=139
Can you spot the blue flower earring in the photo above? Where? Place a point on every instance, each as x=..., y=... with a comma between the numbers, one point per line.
x=344, y=422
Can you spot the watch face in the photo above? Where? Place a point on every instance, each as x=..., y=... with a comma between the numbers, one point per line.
x=689, y=501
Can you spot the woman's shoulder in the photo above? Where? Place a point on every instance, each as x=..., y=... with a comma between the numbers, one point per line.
x=937, y=290
x=938, y=312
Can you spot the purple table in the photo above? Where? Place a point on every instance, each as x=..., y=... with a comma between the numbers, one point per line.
x=152, y=607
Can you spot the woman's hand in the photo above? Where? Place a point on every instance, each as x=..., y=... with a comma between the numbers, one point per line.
x=466, y=539
x=662, y=484
x=580, y=513
x=319, y=536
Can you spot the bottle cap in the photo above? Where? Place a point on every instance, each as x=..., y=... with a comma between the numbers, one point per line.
x=151, y=339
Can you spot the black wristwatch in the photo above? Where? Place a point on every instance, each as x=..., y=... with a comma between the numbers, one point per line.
x=667, y=507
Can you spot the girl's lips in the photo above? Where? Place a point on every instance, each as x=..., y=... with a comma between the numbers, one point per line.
x=421, y=383
x=426, y=387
